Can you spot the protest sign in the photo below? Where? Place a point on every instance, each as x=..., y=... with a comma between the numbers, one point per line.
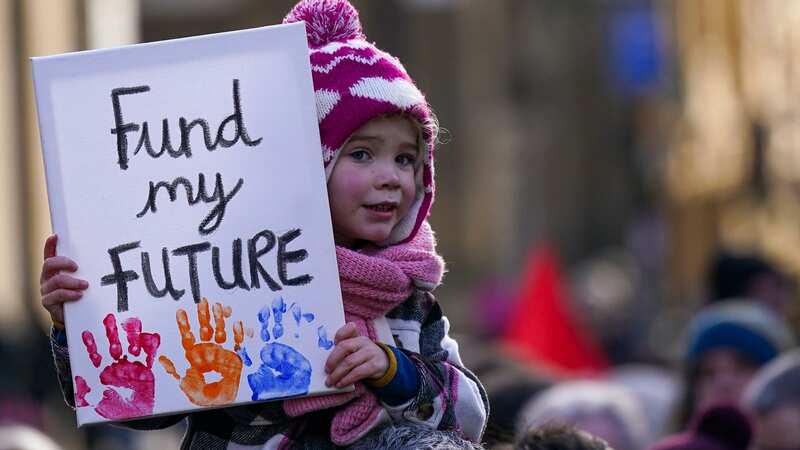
x=185, y=178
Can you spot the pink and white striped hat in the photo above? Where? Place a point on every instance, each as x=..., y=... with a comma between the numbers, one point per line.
x=354, y=82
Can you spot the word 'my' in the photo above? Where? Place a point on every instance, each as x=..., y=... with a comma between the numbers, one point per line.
x=259, y=245
x=216, y=214
x=122, y=129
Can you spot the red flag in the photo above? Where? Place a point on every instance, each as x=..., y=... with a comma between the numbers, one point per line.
x=543, y=328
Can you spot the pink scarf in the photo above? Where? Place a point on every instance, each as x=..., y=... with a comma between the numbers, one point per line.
x=374, y=281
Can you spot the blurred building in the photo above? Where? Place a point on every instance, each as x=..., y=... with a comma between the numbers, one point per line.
x=734, y=166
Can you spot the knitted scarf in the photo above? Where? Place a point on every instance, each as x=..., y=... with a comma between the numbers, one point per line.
x=374, y=281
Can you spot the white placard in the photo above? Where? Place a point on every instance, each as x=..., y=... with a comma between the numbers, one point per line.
x=181, y=171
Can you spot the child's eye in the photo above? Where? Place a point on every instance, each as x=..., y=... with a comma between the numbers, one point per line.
x=359, y=154
x=406, y=159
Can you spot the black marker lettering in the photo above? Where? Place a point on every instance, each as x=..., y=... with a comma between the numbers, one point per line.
x=120, y=127
x=238, y=276
x=285, y=257
x=211, y=141
x=150, y=282
x=191, y=252
x=238, y=119
x=120, y=277
x=216, y=214
x=256, y=269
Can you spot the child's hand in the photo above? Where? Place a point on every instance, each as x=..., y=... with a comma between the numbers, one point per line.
x=354, y=358
x=56, y=286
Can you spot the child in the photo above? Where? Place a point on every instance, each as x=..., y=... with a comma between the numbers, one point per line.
x=726, y=344
x=378, y=136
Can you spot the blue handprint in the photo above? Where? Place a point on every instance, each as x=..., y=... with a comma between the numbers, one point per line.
x=284, y=371
x=323, y=341
x=297, y=313
x=263, y=317
x=278, y=308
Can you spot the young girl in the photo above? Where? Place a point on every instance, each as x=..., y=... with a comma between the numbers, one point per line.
x=378, y=137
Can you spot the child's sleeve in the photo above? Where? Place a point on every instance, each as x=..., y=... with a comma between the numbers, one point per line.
x=58, y=346
x=449, y=396
x=401, y=381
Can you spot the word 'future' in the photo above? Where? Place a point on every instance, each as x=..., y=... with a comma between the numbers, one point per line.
x=258, y=246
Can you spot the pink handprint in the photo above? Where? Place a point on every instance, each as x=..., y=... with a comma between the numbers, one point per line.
x=122, y=373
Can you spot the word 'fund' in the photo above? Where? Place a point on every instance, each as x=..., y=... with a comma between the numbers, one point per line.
x=122, y=129
x=259, y=245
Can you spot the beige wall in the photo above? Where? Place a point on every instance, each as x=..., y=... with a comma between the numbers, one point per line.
x=46, y=27
x=728, y=184
x=11, y=246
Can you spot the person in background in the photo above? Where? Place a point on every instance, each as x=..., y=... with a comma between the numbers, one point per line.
x=746, y=276
x=559, y=437
x=509, y=382
x=657, y=389
x=773, y=399
x=726, y=344
x=600, y=408
x=23, y=437
x=720, y=427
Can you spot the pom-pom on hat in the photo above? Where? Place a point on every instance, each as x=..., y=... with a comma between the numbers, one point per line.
x=354, y=82
x=327, y=21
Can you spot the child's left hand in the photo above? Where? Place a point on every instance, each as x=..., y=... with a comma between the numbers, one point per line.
x=354, y=358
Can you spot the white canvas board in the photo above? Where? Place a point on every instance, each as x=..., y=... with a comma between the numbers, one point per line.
x=258, y=212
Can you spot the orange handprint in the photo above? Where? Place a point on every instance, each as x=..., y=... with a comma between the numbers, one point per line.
x=205, y=357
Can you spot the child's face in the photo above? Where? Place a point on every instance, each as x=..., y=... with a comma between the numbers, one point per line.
x=724, y=374
x=372, y=185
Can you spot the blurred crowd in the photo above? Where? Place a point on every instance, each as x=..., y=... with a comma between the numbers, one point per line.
x=729, y=378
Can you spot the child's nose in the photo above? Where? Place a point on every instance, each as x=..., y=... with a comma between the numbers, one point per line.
x=387, y=175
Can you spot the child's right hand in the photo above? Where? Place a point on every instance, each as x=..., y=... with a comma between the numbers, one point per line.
x=57, y=286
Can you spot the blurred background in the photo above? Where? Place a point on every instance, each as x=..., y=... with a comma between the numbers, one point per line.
x=599, y=156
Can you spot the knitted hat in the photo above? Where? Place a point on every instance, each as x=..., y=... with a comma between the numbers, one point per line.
x=745, y=326
x=354, y=82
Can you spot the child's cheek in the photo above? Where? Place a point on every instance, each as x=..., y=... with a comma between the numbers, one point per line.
x=352, y=191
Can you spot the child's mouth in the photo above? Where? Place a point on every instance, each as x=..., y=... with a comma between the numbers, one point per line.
x=382, y=207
